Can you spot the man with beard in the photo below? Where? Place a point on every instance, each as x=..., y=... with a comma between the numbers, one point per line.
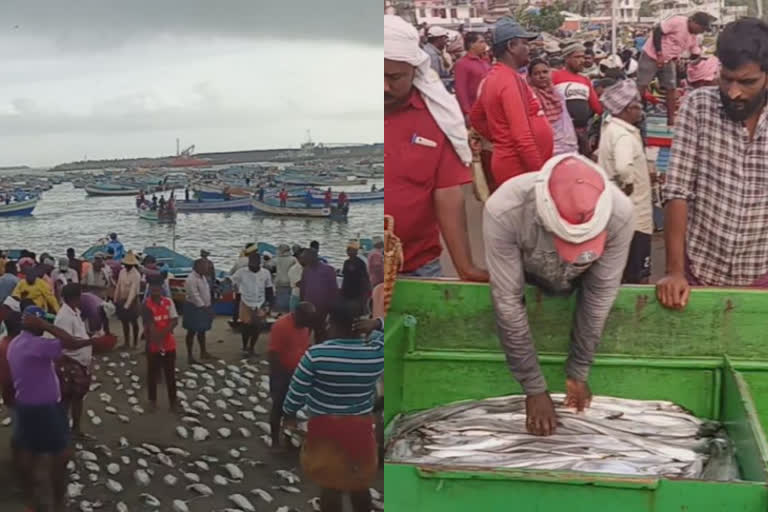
x=715, y=205
x=507, y=112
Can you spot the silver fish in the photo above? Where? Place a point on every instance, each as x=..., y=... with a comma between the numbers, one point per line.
x=242, y=502
x=150, y=500
x=170, y=480
x=115, y=487
x=289, y=477
x=234, y=472
x=180, y=506
x=264, y=495
x=173, y=450
x=141, y=477
x=220, y=480
x=113, y=468
x=200, y=489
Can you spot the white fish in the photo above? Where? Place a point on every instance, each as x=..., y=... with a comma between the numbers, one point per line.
x=113, y=468
x=221, y=404
x=224, y=432
x=121, y=507
x=105, y=397
x=220, y=480
x=143, y=451
x=242, y=391
x=244, y=432
x=267, y=440
x=142, y=462
x=234, y=472
x=247, y=415
x=150, y=500
x=180, y=506
x=125, y=460
x=6, y=421
x=253, y=399
x=85, y=506
x=227, y=392
x=201, y=489
x=261, y=410
x=114, y=486
x=261, y=493
x=177, y=451
x=191, y=420
x=264, y=426
x=71, y=466
x=374, y=493
x=234, y=453
x=192, y=477
x=235, y=402
x=200, y=405
x=377, y=505
x=170, y=480
x=85, y=455
x=228, y=417
x=109, y=373
x=92, y=466
x=152, y=448
x=210, y=415
x=182, y=432
x=315, y=504
x=74, y=490
x=242, y=502
x=200, y=433
x=164, y=459
x=110, y=409
x=137, y=409
x=135, y=378
x=203, y=398
x=290, y=488
x=263, y=394
x=190, y=384
x=189, y=411
x=207, y=389
x=96, y=420
x=181, y=395
x=123, y=418
x=286, y=475
x=129, y=392
x=123, y=442
x=135, y=385
x=201, y=465
x=94, y=386
x=119, y=387
x=210, y=459
x=91, y=413
x=141, y=477
x=93, y=477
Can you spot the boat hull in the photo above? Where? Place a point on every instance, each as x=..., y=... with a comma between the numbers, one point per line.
x=292, y=210
x=18, y=209
x=154, y=216
x=318, y=197
x=242, y=204
x=95, y=191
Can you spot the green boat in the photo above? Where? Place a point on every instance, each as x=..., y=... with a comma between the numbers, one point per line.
x=712, y=358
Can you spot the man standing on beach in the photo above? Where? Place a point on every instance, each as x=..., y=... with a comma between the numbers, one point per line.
x=356, y=285
x=117, y=247
x=426, y=157
x=256, y=294
x=319, y=288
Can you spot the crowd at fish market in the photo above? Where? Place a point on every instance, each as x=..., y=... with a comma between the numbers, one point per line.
x=555, y=148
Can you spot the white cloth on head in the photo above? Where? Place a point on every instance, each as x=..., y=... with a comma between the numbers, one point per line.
x=550, y=216
x=401, y=43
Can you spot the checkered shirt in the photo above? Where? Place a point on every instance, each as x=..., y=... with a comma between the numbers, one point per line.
x=724, y=177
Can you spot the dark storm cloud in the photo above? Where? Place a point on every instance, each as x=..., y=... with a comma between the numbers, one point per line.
x=99, y=24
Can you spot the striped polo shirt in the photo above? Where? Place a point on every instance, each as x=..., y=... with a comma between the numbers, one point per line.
x=337, y=377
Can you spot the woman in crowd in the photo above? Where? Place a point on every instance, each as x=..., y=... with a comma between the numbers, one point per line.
x=553, y=103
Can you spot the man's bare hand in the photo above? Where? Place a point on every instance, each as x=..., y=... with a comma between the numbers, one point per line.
x=366, y=326
x=474, y=274
x=540, y=418
x=673, y=291
x=577, y=394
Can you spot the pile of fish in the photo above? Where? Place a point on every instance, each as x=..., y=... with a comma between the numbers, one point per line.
x=614, y=435
x=210, y=458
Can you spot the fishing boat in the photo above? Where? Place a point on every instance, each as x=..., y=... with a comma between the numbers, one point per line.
x=18, y=208
x=215, y=205
x=272, y=207
x=218, y=191
x=165, y=216
x=318, y=196
x=111, y=190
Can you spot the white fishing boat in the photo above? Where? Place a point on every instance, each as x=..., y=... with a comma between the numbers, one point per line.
x=271, y=207
x=165, y=216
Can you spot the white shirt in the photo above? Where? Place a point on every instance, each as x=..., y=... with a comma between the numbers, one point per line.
x=197, y=290
x=65, y=276
x=252, y=286
x=294, y=276
x=98, y=278
x=69, y=320
x=622, y=155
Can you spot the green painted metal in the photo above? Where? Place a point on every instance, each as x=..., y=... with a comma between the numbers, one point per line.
x=451, y=353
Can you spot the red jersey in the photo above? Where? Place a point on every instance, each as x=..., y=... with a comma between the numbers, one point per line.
x=288, y=341
x=162, y=315
x=412, y=173
x=508, y=114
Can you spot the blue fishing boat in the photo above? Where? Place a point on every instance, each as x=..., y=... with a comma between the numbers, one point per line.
x=107, y=189
x=318, y=196
x=214, y=205
x=164, y=216
x=292, y=209
x=18, y=208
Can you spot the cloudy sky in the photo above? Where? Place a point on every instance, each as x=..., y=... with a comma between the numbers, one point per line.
x=115, y=78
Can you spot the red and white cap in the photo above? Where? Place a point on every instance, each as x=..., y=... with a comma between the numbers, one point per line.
x=573, y=200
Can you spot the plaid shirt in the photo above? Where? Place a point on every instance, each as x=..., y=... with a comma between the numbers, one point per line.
x=724, y=177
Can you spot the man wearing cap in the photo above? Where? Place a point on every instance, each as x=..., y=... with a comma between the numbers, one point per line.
x=622, y=155
x=580, y=97
x=63, y=276
x=426, y=158
x=507, y=112
x=116, y=246
x=437, y=38
x=671, y=38
x=562, y=229
x=98, y=279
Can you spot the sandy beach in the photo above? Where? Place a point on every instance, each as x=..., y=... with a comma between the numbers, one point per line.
x=158, y=428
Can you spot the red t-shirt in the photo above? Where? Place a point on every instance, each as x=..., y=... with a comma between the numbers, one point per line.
x=412, y=173
x=162, y=314
x=6, y=381
x=288, y=341
x=508, y=114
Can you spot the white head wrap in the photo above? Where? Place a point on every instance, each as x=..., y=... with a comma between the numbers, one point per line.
x=401, y=43
x=549, y=215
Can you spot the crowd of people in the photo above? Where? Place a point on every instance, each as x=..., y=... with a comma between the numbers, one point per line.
x=557, y=133
x=55, y=312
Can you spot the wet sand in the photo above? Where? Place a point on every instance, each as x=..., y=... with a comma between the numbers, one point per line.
x=159, y=428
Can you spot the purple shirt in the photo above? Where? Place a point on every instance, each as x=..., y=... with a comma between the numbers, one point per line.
x=469, y=71
x=90, y=311
x=31, y=359
x=319, y=286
